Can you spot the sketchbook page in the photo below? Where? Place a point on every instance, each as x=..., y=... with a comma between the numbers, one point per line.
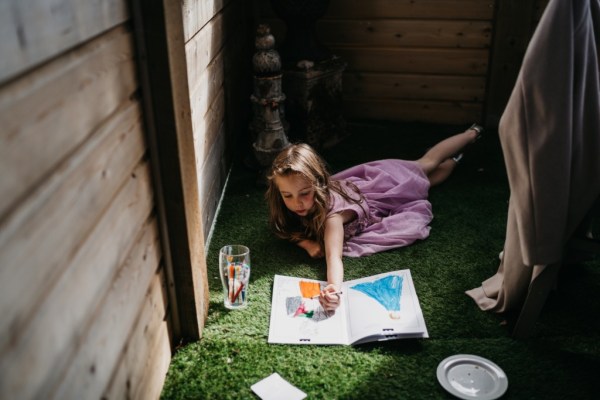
x=296, y=318
x=384, y=306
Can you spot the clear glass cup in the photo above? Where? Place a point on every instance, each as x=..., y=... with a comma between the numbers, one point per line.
x=234, y=267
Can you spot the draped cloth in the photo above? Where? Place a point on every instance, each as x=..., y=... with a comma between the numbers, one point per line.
x=550, y=136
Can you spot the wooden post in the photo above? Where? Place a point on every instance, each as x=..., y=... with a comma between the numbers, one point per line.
x=164, y=83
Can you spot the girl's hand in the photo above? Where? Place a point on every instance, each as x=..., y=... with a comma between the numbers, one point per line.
x=329, y=298
x=312, y=247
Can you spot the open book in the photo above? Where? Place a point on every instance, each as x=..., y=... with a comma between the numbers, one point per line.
x=379, y=307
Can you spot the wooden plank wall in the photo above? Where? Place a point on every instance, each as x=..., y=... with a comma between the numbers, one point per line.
x=218, y=45
x=82, y=285
x=408, y=60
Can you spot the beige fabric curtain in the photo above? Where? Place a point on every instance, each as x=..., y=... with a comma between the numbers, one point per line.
x=550, y=136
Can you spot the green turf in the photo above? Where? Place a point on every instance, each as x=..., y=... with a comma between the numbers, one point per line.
x=560, y=361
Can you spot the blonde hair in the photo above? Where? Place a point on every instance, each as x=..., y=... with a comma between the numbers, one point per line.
x=300, y=159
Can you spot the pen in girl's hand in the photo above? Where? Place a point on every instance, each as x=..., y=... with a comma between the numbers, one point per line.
x=317, y=296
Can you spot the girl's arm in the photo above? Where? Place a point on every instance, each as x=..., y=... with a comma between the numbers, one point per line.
x=334, y=242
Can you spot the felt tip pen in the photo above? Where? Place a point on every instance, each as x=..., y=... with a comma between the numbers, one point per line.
x=238, y=292
x=317, y=296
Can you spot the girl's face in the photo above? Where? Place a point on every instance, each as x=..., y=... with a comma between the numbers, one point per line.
x=297, y=192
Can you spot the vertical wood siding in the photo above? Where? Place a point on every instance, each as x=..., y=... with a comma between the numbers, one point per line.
x=82, y=282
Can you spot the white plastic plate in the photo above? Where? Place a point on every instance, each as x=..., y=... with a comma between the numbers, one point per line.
x=468, y=376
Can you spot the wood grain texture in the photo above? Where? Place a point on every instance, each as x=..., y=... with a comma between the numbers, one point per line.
x=133, y=367
x=406, y=33
x=196, y=14
x=410, y=60
x=214, y=59
x=47, y=114
x=214, y=173
x=203, y=49
x=437, y=9
x=108, y=326
x=399, y=50
x=207, y=127
x=414, y=86
x=49, y=341
x=414, y=110
x=34, y=31
x=205, y=45
x=151, y=383
x=183, y=204
x=40, y=238
x=204, y=91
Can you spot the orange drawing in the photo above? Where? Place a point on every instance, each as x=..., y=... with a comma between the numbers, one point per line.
x=309, y=289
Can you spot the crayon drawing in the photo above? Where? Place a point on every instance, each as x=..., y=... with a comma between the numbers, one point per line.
x=305, y=306
x=386, y=291
x=309, y=289
x=369, y=311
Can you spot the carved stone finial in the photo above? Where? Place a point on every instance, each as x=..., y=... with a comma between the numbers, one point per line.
x=268, y=125
x=266, y=60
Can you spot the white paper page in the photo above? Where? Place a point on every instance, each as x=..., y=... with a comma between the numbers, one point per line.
x=300, y=320
x=374, y=313
x=274, y=387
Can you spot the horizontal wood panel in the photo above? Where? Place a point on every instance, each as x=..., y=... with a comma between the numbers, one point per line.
x=214, y=174
x=434, y=9
x=206, y=88
x=208, y=42
x=33, y=31
x=215, y=63
x=404, y=86
x=207, y=127
x=452, y=113
x=417, y=61
x=49, y=113
x=212, y=171
x=405, y=33
x=180, y=194
x=30, y=364
x=109, y=326
x=143, y=339
x=40, y=238
x=157, y=365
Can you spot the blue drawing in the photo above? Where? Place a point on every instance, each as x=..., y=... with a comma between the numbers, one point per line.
x=387, y=291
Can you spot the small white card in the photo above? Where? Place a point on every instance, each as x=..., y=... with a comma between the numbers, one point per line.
x=274, y=387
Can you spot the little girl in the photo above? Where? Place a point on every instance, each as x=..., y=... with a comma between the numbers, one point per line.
x=365, y=209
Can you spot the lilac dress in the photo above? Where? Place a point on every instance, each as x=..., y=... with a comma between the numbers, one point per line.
x=395, y=212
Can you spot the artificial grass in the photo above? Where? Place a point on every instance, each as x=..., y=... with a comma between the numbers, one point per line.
x=561, y=360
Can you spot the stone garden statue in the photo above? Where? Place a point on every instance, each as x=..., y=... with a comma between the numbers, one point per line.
x=267, y=126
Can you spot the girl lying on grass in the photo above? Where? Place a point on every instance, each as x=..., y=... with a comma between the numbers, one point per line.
x=371, y=207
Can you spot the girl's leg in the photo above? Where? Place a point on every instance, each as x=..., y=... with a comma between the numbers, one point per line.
x=442, y=172
x=437, y=163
